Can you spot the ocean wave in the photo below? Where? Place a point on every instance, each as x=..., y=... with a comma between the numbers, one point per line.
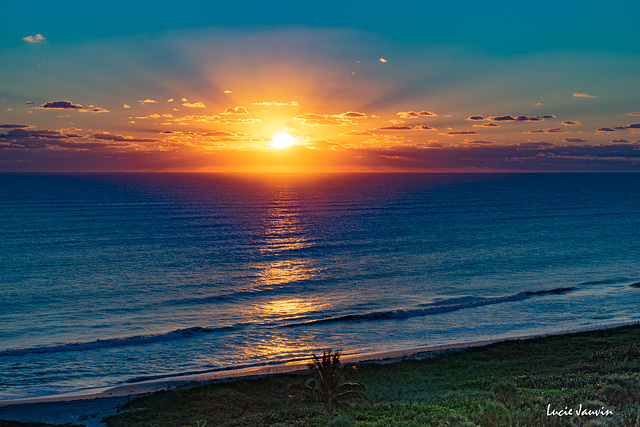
x=555, y=291
x=407, y=313
x=439, y=307
x=116, y=342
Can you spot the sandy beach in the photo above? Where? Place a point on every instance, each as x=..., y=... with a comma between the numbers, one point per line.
x=89, y=407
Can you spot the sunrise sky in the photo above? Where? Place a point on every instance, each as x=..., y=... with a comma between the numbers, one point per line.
x=347, y=86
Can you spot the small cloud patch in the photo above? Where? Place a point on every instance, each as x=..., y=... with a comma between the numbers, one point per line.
x=235, y=110
x=415, y=115
x=38, y=38
x=60, y=105
x=194, y=105
x=9, y=126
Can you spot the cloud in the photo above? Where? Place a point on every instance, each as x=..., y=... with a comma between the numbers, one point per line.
x=60, y=105
x=571, y=123
x=36, y=134
x=114, y=137
x=459, y=132
x=126, y=106
x=476, y=117
x=407, y=127
x=147, y=101
x=479, y=141
x=227, y=91
x=633, y=114
x=383, y=60
x=94, y=110
x=424, y=127
x=323, y=119
x=415, y=115
x=272, y=103
x=236, y=120
x=604, y=130
x=583, y=95
x=358, y=133
x=619, y=141
x=633, y=126
x=38, y=38
x=8, y=126
x=154, y=116
x=574, y=140
x=206, y=119
x=236, y=110
x=353, y=115
x=170, y=100
x=197, y=105
x=487, y=125
x=508, y=118
x=550, y=130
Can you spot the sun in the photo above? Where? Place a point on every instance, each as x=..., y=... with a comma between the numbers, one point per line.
x=282, y=140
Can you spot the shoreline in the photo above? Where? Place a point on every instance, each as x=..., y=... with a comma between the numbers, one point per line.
x=179, y=381
x=88, y=407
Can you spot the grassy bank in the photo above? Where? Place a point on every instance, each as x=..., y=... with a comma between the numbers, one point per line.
x=509, y=383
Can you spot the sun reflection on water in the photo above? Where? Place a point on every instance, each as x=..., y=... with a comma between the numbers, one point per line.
x=291, y=307
x=286, y=271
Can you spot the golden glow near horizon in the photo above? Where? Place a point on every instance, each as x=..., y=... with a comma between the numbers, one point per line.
x=282, y=140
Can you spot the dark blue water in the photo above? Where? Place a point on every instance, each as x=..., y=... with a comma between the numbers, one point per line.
x=107, y=278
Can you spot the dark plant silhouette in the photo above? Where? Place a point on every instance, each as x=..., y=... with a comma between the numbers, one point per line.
x=327, y=385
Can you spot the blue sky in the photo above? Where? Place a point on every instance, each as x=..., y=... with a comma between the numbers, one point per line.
x=205, y=86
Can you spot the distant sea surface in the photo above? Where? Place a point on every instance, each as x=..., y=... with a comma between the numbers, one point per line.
x=112, y=278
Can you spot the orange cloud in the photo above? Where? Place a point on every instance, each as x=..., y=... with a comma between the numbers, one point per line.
x=323, y=119
x=114, y=137
x=353, y=115
x=358, y=133
x=583, y=95
x=93, y=110
x=459, y=132
x=407, y=127
x=273, y=103
x=38, y=38
x=414, y=115
x=236, y=110
x=194, y=105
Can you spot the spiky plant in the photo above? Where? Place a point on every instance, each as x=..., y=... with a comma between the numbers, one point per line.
x=327, y=385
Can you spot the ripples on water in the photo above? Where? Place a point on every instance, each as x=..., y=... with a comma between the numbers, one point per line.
x=106, y=278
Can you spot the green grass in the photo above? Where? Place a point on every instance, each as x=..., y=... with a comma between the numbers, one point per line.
x=504, y=384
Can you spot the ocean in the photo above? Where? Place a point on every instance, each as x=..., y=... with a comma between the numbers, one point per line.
x=114, y=278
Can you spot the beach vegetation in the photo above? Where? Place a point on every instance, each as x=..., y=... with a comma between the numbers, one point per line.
x=513, y=383
x=328, y=385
